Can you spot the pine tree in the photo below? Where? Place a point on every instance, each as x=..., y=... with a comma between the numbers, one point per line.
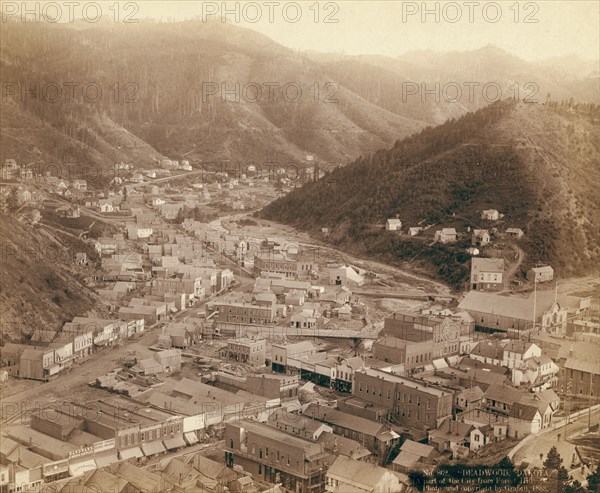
x=594, y=481
x=553, y=459
x=575, y=487
x=562, y=480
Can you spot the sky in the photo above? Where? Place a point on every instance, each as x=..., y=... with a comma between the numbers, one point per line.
x=533, y=30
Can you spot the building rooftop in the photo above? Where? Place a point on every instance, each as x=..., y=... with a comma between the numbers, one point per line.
x=263, y=429
x=362, y=475
x=340, y=445
x=345, y=420
x=503, y=393
x=482, y=264
x=471, y=395
x=416, y=448
x=489, y=349
x=296, y=347
x=520, y=347
x=404, y=381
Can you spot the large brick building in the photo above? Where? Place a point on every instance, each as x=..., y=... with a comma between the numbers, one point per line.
x=579, y=368
x=243, y=314
x=442, y=334
x=376, y=437
x=399, y=352
x=292, y=267
x=408, y=403
x=137, y=431
x=273, y=456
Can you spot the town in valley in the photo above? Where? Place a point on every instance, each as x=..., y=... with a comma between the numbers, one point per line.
x=173, y=323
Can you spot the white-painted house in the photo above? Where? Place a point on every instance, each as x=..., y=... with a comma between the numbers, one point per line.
x=393, y=224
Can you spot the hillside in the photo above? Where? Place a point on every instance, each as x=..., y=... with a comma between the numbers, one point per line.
x=212, y=92
x=158, y=89
x=533, y=163
x=40, y=284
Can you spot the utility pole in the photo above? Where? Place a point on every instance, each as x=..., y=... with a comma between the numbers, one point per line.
x=534, y=302
x=590, y=403
x=567, y=417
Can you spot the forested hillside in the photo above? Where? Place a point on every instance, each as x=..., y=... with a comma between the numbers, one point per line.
x=185, y=90
x=528, y=161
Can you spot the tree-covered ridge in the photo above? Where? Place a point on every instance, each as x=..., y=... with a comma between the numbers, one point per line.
x=445, y=176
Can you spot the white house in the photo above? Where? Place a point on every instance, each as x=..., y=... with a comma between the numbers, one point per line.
x=487, y=274
x=393, y=224
x=155, y=201
x=346, y=275
x=480, y=238
x=540, y=373
x=135, y=232
x=516, y=233
x=106, y=206
x=80, y=185
x=490, y=214
x=524, y=420
x=517, y=352
x=306, y=319
x=348, y=475
x=540, y=274
x=532, y=413
x=446, y=235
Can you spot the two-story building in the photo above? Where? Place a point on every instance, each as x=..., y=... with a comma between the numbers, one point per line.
x=409, y=403
x=281, y=352
x=273, y=456
x=377, y=437
x=245, y=350
x=487, y=274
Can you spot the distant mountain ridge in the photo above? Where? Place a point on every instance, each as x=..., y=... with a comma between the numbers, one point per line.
x=157, y=100
x=378, y=78
x=189, y=89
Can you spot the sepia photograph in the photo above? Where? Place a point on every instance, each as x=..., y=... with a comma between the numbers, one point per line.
x=307, y=246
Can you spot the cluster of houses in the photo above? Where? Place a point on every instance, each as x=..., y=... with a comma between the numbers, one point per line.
x=53, y=352
x=466, y=395
x=434, y=385
x=480, y=238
